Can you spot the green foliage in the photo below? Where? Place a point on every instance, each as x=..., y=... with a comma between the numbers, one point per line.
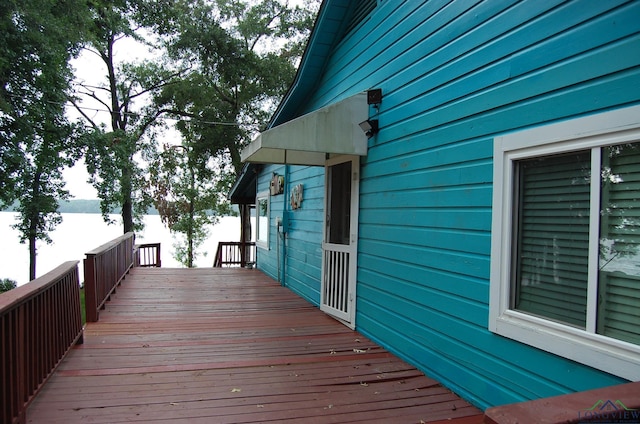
x=83, y=306
x=114, y=155
x=6, y=284
x=38, y=37
x=186, y=195
x=242, y=57
x=239, y=58
x=116, y=175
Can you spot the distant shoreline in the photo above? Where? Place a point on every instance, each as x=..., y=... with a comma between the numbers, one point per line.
x=82, y=206
x=90, y=206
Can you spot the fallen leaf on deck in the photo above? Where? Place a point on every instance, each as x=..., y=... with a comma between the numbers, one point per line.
x=359, y=351
x=236, y=390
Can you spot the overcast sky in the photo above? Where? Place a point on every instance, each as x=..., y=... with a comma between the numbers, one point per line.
x=92, y=70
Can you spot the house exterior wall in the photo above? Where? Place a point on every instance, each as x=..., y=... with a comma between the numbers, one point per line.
x=454, y=76
x=295, y=258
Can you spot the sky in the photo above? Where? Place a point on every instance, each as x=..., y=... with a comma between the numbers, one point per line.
x=92, y=70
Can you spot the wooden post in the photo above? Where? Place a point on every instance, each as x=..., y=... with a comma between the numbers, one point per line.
x=90, y=295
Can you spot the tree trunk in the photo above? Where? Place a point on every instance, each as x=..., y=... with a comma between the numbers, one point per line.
x=32, y=252
x=127, y=203
x=33, y=226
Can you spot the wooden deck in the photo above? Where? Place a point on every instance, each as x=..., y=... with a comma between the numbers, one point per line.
x=232, y=346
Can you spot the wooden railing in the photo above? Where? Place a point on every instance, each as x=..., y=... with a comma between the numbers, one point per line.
x=147, y=255
x=106, y=266
x=39, y=322
x=104, y=269
x=235, y=253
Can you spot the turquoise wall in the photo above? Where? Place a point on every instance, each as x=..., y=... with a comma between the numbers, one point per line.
x=267, y=259
x=297, y=251
x=455, y=75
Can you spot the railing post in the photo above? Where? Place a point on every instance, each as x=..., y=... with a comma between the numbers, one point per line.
x=21, y=364
x=90, y=292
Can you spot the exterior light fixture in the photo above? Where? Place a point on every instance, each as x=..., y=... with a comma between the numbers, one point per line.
x=374, y=96
x=370, y=127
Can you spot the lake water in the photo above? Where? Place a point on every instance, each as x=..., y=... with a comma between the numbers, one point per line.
x=81, y=233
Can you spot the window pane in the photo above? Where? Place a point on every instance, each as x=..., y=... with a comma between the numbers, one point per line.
x=619, y=277
x=263, y=219
x=339, y=198
x=552, y=230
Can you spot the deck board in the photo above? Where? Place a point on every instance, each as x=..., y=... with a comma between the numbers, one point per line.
x=232, y=346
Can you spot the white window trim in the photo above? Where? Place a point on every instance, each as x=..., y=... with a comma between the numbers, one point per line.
x=263, y=244
x=584, y=346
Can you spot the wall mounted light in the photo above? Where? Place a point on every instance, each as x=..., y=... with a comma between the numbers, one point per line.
x=374, y=96
x=370, y=127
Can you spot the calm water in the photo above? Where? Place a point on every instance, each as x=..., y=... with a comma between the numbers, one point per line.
x=80, y=233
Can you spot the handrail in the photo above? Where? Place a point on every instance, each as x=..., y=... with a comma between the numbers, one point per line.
x=235, y=253
x=39, y=323
x=104, y=269
x=147, y=255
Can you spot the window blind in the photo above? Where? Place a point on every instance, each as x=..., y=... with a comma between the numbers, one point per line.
x=552, y=228
x=619, y=277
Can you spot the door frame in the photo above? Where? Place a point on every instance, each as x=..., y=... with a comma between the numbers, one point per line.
x=347, y=317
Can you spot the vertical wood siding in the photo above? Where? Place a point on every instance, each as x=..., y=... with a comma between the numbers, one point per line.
x=454, y=75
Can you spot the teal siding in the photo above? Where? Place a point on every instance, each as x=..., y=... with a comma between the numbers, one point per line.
x=295, y=258
x=304, y=236
x=454, y=75
x=267, y=260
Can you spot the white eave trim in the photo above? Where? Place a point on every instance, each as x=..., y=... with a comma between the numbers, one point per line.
x=307, y=140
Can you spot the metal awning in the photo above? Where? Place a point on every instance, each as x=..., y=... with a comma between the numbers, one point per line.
x=309, y=139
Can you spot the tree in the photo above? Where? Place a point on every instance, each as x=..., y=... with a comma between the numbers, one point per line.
x=41, y=185
x=38, y=38
x=7, y=284
x=184, y=188
x=242, y=57
x=113, y=153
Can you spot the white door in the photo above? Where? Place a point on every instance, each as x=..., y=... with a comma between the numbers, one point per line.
x=340, y=240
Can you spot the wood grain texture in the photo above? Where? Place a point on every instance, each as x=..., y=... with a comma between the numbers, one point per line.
x=232, y=346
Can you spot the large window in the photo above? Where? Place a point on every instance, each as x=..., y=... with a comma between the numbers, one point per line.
x=566, y=240
x=262, y=220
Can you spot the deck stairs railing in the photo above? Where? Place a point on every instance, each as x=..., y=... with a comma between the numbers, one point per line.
x=235, y=253
x=41, y=321
x=147, y=255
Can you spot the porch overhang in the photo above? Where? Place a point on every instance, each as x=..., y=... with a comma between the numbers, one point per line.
x=312, y=138
x=243, y=191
